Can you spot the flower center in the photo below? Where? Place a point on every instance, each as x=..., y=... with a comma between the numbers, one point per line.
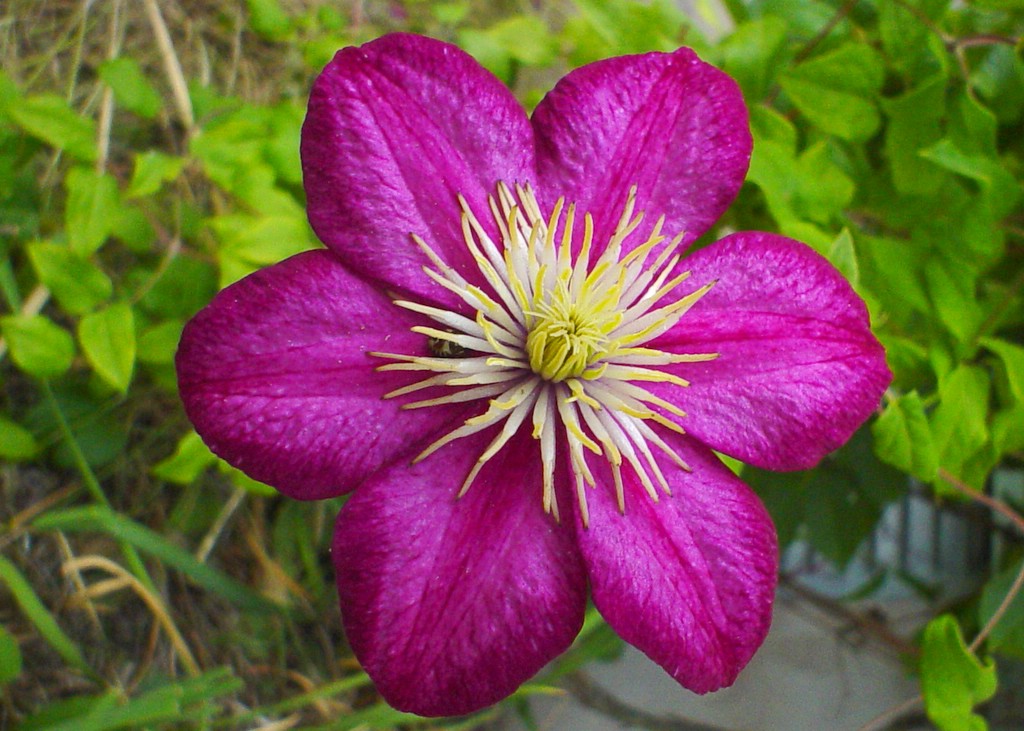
x=559, y=340
x=567, y=337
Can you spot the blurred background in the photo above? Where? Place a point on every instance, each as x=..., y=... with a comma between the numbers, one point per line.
x=149, y=157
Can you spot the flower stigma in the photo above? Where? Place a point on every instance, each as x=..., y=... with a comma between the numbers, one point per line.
x=559, y=340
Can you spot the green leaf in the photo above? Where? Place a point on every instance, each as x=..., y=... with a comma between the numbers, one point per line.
x=50, y=119
x=268, y=19
x=999, y=78
x=98, y=518
x=1012, y=357
x=853, y=67
x=93, y=204
x=449, y=13
x=242, y=480
x=131, y=88
x=835, y=90
x=1008, y=634
x=601, y=29
x=10, y=95
x=153, y=169
x=824, y=189
x=959, y=421
x=751, y=55
x=10, y=657
x=768, y=125
x=134, y=229
x=108, y=340
x=907, y=39
x=36, y=612
x=282, y=148
x=915, y=124
x=78, y=284
x=249, y=243
x=159, y=343
x=903, y=437
x=1008, y=429
x=843, y=256
x=953, y=299
x=953, y=679
x=521, y=39
x=184, y=287
x=1000, y=186
x=840, y=113
x=38, y=346
x=810, y=186
x=973, y=127
x=190, y=459
x=231, y=145
x=16, y=443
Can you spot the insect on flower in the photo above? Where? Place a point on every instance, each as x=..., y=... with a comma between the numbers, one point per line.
x=442, y=347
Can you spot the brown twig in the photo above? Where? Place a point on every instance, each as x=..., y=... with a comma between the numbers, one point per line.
x=822, y=34
x=984, y=39
x=172, y=66
x=861, y=621
x=893, y=714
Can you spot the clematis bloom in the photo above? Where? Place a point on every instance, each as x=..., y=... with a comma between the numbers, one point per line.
x=505, y=355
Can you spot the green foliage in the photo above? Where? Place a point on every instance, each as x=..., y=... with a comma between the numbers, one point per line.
x=889, y=136
x=93, y=205
x=38, y=346
x=16, y=442
x=78, y=285
x=837, y=90
x=131, y=88
x=522, y=40
x=268, y=19
x=953, y=680
x=903, y=437
x=107, y=337
x=50, y=119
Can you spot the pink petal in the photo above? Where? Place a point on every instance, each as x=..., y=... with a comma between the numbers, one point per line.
x=799, y=369
x=688, y=580
x=450, y=604
x=276, y=377
x=666, y=122
x=395, y=130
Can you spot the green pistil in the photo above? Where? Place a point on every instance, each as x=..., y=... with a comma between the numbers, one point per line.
x=564, y=343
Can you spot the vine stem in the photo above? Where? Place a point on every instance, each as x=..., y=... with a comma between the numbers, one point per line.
x=998, y=506
x=1018, y=521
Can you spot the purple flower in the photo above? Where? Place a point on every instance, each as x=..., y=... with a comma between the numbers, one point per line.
x=504, y=354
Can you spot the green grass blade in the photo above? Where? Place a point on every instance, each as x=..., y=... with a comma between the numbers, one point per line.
x=172, y=702
x=38, y=614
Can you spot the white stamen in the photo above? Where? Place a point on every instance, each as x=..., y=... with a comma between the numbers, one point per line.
x=559, y=339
